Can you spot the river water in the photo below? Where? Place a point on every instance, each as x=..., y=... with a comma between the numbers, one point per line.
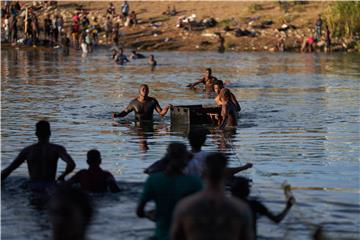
x=299, y=122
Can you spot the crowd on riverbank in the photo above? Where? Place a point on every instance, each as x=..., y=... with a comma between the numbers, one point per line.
x=51, y=25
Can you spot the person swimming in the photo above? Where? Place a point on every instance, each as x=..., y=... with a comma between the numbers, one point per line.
x=120, y=57
x=143, y=106
x=135, y=55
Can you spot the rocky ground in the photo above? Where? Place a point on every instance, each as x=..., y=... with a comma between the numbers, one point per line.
x=156, y=31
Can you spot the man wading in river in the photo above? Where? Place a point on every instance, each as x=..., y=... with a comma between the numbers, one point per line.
x=42, y=158
x=143, y=106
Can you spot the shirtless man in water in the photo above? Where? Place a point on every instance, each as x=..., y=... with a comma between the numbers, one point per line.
x=208, y=80
x=217, y=88
x=143, y=106
x=42, y=158
x=228, y=110
x=210, y=214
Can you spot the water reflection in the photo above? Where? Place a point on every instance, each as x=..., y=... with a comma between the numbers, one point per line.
x=299, y=122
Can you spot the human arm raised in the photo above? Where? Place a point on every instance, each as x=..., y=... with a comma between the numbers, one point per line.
x=279, y=217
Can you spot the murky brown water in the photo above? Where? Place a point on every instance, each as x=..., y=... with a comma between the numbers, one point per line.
x=300, y=123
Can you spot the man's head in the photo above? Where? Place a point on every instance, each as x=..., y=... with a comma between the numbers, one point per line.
x=144, y=90
x=218, y=86
x=43, y=129
x=70, y=213
x=93, y=158
x=240, y=187
x=178, y=156
x=197, y=138
x=208, y=72
x=215, y=164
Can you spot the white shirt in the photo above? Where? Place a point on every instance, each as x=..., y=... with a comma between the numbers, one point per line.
x=196, y=165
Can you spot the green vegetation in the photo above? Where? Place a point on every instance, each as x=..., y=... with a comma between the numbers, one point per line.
x=344, y=18
x=253, y=8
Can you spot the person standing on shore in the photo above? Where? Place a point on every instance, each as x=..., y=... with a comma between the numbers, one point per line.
x=327, y=40
x=124, y=10
x=318, y=26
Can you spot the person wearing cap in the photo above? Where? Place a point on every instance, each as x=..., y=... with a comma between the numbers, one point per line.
x=241, y=189
x=94, y=179
x=167, y=188
x=42, y=158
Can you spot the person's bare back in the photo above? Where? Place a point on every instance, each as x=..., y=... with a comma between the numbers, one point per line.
x=202, y=216
x=42, y=158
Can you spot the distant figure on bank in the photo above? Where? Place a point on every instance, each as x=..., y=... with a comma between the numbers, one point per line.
x=327, y=40
x=210, y=214
x=143, y=106
x=241, y=190
x=70, y=213
x=135, y=55
x=167, y=188
x=217, y=89
x=124, y=10
x=94, y=179
x=65, y=44
x=152, y=62
x=208, y=80
x=221, y=40
x=308, y=44
x=42, y=158
x=228, y=110
x=318, y=26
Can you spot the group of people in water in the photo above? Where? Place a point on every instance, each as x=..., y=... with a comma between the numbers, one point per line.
x=144, y=105
x=187, y=187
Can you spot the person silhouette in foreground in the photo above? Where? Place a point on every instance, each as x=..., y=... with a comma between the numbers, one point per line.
x=94, y=179
x=143, y=106
x=70, y=213
x=210, y=214
x=241, y=190
x=166, y=188
x=42, y=158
